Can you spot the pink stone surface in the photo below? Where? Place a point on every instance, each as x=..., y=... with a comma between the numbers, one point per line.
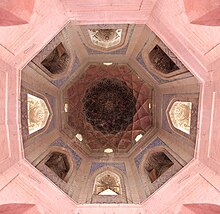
x=200, y=208
x=196, y=46
x=15, y=13
x=19, y=208
x=206, y=12
x=79, y=5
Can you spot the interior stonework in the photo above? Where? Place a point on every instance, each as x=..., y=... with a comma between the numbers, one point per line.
x=115, y=107
x=59, y=164
x=57, y=61
x=160, y=157
x=161, y=61
x=108, y=106
x=158, y=163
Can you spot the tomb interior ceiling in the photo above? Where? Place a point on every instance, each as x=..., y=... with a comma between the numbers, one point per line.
x=109, y=107
x=108, y=98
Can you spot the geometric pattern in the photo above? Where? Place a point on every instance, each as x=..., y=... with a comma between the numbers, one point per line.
x=95, y=139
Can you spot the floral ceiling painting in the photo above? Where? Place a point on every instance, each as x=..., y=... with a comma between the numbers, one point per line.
x=180, y=115
x=38, y=113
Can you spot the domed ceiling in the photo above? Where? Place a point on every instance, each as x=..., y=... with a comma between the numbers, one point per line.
x=105, y=89
x=46, y=110
x=109, y=106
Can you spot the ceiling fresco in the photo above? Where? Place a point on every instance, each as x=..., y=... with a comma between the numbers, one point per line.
x=180, y=115
x=105, y=38
x=109, y=106
x=38, y=113
x=111, y=39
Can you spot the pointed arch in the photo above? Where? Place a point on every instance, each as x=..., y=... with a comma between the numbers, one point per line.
x=48, y=169
x=107, y=181
x=152, y=175
x=182, y=113
x=121, y=190
x=36, y=113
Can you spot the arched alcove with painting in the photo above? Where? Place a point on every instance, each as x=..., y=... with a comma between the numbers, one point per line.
x=182, y=113
x=107, y=185
x=36, y=113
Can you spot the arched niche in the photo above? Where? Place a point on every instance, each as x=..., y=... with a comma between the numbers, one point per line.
x=56, y=60
x=36, y=113
x=107, y=183
x=157, y=164
x=107, y=39
x=18, y=208
x=56, y=156
x=58, y=163
x=161, y=61
x=182, y=113
x=121, y=188
x=152, y=175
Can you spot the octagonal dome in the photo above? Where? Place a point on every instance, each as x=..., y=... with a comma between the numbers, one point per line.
x=63, y=155
x=127, y=177
x=108, y=106
x=132, y=106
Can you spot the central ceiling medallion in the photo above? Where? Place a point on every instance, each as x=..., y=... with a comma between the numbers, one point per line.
x=105, y=38
x=109, y=105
